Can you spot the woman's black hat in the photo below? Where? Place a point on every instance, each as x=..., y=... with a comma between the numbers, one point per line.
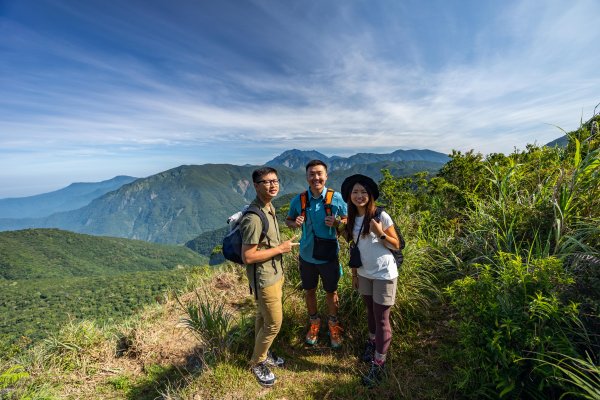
x=364, y=180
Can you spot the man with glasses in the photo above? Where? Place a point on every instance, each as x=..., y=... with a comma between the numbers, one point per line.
x=319, y=248
x=264, y=269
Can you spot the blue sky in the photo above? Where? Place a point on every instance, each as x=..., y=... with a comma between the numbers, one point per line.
x=97, y=88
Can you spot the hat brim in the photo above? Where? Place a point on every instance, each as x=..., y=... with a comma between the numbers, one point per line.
x=364, y=180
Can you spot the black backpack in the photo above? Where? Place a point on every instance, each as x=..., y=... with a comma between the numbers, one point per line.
x=396, y=253
x=232, y=242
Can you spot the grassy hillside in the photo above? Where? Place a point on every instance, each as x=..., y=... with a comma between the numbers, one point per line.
x=48, y=276
x=155, y=355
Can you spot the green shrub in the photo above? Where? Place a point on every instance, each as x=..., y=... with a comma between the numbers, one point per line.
x=509, y=311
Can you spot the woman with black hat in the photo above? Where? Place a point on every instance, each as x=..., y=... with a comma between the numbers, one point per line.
x=376, y=274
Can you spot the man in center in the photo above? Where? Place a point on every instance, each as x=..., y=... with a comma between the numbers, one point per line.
x=319, y=212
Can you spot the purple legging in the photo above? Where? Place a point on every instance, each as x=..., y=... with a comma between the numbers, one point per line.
x=378, y=317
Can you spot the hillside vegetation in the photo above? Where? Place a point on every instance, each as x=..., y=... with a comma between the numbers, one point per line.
x=48, y=276
x=52, y=253
x=498, y=297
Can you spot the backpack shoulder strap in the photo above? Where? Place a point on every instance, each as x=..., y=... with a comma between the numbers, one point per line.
x=328, y=200
x=402, y=243
x=254, y=209
x=303, y=203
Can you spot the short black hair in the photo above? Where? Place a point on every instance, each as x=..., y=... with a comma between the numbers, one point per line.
x=260, y=172
x=314, y=163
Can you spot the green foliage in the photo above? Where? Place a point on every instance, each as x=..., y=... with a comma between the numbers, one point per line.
x=509, y=310
x=512, y=242
x=11, y=376
x=516, y=240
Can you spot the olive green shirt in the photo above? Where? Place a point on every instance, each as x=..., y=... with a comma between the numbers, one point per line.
x=270, y=271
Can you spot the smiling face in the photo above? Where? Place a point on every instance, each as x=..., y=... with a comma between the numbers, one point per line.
x=316, y=176
x=359, y=196
x=267, y=187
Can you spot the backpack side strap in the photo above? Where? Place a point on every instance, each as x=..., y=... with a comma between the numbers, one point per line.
x=254, y=209
x=328, y=200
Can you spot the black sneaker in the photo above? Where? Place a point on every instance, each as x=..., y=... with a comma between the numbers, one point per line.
x=274, y=361
x=369, y=353
x=375, y=375
x=263, y=374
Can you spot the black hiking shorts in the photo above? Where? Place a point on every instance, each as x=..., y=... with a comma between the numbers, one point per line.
x=329, y=273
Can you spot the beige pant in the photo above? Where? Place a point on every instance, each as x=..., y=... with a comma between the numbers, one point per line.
x=269, y=314
x=383, y=291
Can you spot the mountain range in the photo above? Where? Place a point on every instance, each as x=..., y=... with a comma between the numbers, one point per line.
x=177, y=205
x=72, y=197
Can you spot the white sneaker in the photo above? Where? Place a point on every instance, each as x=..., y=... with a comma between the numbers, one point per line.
x=274, y=361
x=263, y=374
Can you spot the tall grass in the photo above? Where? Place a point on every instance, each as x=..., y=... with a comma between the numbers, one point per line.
x=220, y=332
x=580, y=377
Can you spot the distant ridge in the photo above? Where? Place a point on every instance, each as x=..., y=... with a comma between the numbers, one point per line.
x=72, y=197
x=560, y=142
x=297, y=159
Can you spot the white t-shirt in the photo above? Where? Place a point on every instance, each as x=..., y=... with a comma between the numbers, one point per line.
x=377, y=260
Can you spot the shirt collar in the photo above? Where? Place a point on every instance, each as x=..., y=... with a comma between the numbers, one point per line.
x=322, y=195
x=263, y=206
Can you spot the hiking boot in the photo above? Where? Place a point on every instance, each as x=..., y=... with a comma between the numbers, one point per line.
x=369, y=353
x=263, y=374
x=274, y=361
x=335, y=334
x=313, y=331
x=375, y=375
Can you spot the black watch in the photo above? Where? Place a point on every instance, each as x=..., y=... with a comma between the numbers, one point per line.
x=383, y=237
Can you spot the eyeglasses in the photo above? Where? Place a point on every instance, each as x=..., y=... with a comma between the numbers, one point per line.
x=271, y=182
